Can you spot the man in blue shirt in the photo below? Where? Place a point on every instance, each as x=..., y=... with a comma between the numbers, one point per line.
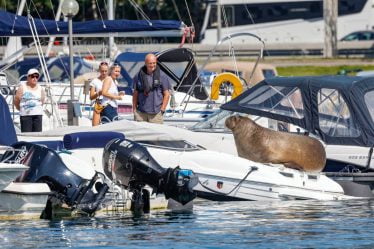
x=151, y=92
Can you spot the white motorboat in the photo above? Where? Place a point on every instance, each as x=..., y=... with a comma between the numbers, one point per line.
x=172, y=146
x=20, y=200
x=8, y=172
x=72, y=180
x=336, y=109
x=224, y=176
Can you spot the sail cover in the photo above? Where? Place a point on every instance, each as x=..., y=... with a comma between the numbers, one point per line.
x=8, y=134
x=14, y=25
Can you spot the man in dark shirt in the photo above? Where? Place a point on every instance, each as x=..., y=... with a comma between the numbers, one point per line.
x=151, y=92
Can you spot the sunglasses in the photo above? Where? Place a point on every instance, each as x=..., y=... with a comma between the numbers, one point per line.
x=103, y=63
x=34, y=76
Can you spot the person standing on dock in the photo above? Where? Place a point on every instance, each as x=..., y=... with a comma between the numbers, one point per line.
x=151, y=92
x=29, y=100
x=96, y=92
x=111, y=95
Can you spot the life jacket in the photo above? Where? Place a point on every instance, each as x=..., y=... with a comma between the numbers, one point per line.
x=145, y=85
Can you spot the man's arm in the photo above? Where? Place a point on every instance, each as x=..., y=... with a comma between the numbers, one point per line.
x=165, y=99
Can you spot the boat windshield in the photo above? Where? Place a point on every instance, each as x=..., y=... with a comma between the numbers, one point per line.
x=282, y=100
x=214, y=123
x=369, y=101
x=179, y=145
x=334, y=116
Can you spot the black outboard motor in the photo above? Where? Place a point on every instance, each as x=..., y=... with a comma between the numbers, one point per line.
x=128, y=163
x=47, y=166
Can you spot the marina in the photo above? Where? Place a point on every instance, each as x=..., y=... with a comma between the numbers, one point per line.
x=180, y=146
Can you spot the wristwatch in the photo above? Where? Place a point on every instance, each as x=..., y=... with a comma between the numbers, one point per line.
x=162, y=112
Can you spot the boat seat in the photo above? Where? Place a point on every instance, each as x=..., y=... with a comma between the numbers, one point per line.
x=79, y=140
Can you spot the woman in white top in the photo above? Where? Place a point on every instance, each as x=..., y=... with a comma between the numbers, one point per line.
x=111, y=95
x=29, y=101
x=96, y=91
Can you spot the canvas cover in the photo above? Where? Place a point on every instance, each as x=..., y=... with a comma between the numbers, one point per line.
x=339, y=109
x=11, y=26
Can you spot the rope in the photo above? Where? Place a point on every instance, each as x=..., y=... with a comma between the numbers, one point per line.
x=15, y=16
x=36, y=9
x=237, y=186
x=189, y=13
x=140, y=11
x=188, y=32
x=54, y=15
x=43, y=64
x=101, y=17
x=177, y=10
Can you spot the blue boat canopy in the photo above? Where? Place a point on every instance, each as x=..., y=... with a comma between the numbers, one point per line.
x=338, y=109
x=12, y=25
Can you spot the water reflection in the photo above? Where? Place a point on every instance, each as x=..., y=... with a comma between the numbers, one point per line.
x=288, y=224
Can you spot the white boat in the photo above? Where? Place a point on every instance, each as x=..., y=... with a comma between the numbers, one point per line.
x=173, y=146
x=224, y=176
x=8, y=172
x=227, y=177
x=279, y=21
x=20, y=200
x=338, y=110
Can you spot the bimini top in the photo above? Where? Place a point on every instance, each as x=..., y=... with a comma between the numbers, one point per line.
x=339, y=109
x=177, y=63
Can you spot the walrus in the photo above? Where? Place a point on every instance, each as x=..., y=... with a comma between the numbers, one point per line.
x=264, y=145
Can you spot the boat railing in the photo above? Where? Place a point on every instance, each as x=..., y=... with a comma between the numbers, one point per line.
x=11, y=150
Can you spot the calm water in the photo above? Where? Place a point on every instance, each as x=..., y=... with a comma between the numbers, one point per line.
x=291, y=224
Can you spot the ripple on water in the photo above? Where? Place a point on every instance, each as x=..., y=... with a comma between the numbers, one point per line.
x=287, y=224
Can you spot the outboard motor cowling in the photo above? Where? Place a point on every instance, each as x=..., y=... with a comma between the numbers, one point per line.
x=130, y=164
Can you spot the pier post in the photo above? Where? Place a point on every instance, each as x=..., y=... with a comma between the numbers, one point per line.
x=330, y=15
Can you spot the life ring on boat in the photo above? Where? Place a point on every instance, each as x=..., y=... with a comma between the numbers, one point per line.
x=226, y=77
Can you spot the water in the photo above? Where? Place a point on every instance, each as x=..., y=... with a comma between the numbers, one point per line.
x=288, y=224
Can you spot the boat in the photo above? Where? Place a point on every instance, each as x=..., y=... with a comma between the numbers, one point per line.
x=8, y=172
x=225, y=177
x=173, y=146
x=279, y=21
x=74, y=186
x=338, y=110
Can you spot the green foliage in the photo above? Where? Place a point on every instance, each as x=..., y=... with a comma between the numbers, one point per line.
x=322, y=70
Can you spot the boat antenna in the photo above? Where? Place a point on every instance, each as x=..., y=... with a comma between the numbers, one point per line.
x=140, y=11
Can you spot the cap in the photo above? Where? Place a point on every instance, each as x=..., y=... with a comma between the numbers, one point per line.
x=32, y=71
